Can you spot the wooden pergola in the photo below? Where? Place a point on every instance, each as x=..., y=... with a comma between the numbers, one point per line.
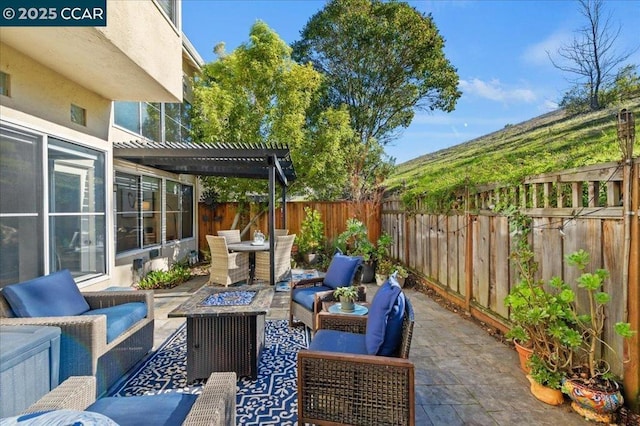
x=241, y=160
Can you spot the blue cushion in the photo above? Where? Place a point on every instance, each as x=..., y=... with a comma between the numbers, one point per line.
x=120, y=317
x=339, y=341
x=306, y=296
x=157, y=410
x=54, y=295
x=60, y=417
x=341, y=271
x=384, y=323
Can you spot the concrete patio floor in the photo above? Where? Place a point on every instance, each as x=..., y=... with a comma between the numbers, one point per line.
x=463, y=375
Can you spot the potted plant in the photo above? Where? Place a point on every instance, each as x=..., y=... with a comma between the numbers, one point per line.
x=347, y=296
x=354, y=241
x=542, y=316
x=592, y=387
x=385, y=267
x=310, y=240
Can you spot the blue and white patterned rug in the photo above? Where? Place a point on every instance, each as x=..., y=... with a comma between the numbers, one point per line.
x=271, y=399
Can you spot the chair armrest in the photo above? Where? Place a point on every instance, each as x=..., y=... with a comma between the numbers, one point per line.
x=308, y=282
x=89, y=332
x=341, y=322
x=105, y=299
x=355, y=389
x=216, y=405
x=75, y=393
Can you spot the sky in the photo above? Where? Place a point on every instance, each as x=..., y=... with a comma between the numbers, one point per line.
x=499, y=48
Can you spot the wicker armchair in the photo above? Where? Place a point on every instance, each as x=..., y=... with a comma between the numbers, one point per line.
x=282, y=262
x=216, y=405
x=84, y=350
x=280, y=232
x=231, y=235
x=226, y=268
x=354, y=389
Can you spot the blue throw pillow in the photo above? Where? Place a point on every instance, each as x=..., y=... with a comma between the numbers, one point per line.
x=53, y=295
x=384, y=323
x=341, y=270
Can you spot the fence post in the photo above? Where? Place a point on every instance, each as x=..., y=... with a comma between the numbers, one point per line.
x=632, y=347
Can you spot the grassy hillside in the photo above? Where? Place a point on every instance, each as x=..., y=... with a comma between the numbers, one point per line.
x=547, y=143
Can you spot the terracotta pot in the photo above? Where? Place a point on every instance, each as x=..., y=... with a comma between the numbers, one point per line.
x=524, y=354
x=546, y=394
x=593, y=404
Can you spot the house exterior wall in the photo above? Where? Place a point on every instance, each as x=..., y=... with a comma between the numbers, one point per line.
x=137, y=57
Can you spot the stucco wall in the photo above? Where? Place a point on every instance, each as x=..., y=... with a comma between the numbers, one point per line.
x=36, y=90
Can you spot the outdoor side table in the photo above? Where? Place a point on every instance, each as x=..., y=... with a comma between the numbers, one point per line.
x=225, y=329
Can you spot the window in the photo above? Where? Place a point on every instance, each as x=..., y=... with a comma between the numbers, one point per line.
x=5, y=82
x=21, y=253
x=139, y=213
x=73, y=212
x=171, y=9
x=168, y=122
x=78, y=115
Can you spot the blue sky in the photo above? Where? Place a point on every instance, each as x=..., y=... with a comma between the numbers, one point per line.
x=498, y=47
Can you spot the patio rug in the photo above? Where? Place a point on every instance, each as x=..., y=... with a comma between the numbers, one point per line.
x=268, y=400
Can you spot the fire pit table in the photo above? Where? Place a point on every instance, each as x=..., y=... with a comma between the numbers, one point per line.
x=225, y=329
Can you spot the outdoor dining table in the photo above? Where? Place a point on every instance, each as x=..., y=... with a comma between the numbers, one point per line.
x=251, y=248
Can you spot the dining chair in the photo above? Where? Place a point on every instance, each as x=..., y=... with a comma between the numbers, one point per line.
x=226, y=268
x=282, y=263
x=231, y=235
x=280, y=232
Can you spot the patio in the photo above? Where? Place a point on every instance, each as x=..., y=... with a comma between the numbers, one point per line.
x=463, y=375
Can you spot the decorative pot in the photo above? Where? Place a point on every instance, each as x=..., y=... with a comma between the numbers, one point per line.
x=524, y=354
x=368, y=272
x=593, y=404
x=310, y=258
x=347, y=305
x=380, y=279
x=545, y=394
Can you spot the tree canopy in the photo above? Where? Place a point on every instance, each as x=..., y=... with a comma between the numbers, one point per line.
x=384, y=61
x=258, y=94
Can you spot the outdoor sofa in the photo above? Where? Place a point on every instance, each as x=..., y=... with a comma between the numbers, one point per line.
x=104, y=333
x=74, y=401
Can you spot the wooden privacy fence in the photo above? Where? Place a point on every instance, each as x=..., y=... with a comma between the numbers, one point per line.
x=465, y=256
x=334, y=215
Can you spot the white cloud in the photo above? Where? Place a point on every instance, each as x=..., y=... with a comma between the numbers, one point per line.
x=536, y=54
x=495, y=91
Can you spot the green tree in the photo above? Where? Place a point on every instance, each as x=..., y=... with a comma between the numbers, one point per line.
x=384, y=61
x=258, y=94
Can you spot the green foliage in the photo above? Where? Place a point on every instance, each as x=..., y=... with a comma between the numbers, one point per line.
x=383, y=60
x=541, y=374
x=177, y=274
x=548, y=143
x=311, y=237
x=354, y=241
x=347, y=292
x=257, y=94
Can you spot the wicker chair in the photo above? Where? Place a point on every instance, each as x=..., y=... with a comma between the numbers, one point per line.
x=216, y=405
x=226, y=268
x=282, y=262
x=307, y=295
x=280, y=232
x=231, y=235
x=354, y=389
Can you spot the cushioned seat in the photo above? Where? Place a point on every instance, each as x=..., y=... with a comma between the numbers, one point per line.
x=156, y=410
x=120, y=317
x=360, y=378
x=304, y=302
